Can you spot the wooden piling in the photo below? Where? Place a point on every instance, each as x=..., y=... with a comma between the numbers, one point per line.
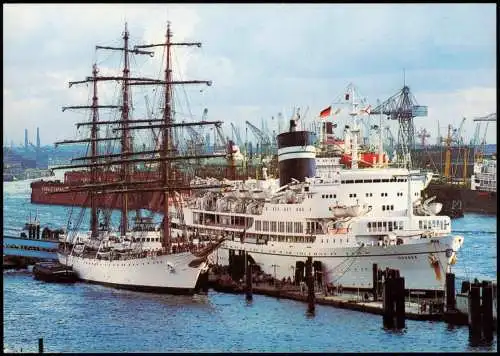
x=248, y=270
x=487, y=311
x=475, y=312
x=388, y=304
x=399, y=293
x=450, y=291
x=310, y=286
x=375, y=281
x=40, y=345
x=465, y=287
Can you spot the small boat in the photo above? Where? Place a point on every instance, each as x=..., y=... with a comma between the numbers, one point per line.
x=54, y=272
x=225, y=284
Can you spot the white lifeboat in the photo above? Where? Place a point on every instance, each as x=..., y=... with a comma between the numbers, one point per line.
x=339, y=211
x=435, y=208
x=354, y=210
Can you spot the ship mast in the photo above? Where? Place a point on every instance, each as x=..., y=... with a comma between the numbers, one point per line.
x=125, y=141
x=167, y=141
x=125, y=137
x=166, y=151
x=93, y=170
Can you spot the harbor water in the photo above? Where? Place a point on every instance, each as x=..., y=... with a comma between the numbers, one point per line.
x=90, y=318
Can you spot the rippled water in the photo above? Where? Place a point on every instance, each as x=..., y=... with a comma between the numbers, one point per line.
x=91, y=318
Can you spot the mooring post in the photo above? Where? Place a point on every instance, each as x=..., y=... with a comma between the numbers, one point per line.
x=310, y=286
x=40, y=345
x=399, y=292
x=204, y=284
x=450, y=291
x=475, y=312
x=487, y=311
x=375, y=281
x=248, y=269
x=231, y=262
x=388, y=302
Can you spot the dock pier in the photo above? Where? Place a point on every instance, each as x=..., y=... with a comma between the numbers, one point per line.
x=404, y=305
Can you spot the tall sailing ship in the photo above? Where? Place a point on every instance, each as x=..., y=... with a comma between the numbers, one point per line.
x=347, y=220
x=144, y=256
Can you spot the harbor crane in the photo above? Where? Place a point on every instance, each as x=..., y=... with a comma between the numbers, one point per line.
x=402, y=107
x=220, y=136
x=458, y=133
x=489, y=117
x=389, y=137
x=262, y=138
x=197, y=141
x=423, y=135
x=236, y=134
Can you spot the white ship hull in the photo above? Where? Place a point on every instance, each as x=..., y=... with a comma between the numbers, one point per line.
x=352, y=267
x=159, y=274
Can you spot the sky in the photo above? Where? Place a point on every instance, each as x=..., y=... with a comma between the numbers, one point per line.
x=263, y=59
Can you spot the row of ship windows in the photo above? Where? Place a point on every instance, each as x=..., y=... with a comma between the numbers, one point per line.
x=146, y=239
x=485, y=182
x=407, y=257
x=354, y=195
x=124, y=264
x=387, y=207
x=279, y=226
x=374, y=180
x=378, y=226
x=429, y=224
x=288, y=209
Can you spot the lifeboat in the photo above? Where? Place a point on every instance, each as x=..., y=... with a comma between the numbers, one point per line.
x=54, y=272
x=354, y=210
x=339, y=211
x=435, y=208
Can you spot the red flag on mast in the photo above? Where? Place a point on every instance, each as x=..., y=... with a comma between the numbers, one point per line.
x=326, y=112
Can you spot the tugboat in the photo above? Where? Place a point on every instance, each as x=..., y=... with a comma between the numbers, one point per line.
x=54, y=272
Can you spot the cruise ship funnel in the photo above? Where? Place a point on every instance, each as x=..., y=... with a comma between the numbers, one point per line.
x=296, y=156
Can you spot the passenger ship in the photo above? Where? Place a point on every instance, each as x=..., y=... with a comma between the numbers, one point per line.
x=346, y=220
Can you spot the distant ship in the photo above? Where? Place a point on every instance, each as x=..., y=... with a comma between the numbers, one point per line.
x=482, y=196
x=31, y=242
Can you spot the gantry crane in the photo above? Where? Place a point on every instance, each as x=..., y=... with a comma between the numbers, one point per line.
x=197, y=141
x=402, y=107
x=389, y=137
x=458, y=133
x=423, y=135
x=489, y=117
x=236, y=135
x=263, y=139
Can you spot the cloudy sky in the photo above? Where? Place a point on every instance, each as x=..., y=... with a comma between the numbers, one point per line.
x=262, y=59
